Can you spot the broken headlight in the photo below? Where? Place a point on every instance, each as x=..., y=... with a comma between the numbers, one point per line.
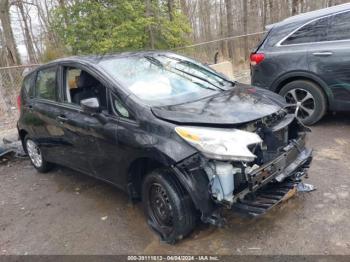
x=219, y=143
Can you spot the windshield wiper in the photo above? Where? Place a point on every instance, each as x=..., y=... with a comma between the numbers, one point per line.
x=198, y=77
x=158, y=63
x=154, y=61
x=200, y=68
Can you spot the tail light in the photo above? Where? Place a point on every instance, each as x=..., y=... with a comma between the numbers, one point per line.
x=19, y=102
x=256, y=59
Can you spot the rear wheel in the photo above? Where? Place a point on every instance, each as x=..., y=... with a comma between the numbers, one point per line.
x=308, y=99
x=36, y=156
x=167, y=205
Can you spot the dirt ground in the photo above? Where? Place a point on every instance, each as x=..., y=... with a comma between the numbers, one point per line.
x=64, y=212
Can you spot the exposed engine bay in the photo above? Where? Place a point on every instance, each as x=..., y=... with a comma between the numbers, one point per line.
x=274, y=158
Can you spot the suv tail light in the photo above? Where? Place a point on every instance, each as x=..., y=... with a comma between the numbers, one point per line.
x=19, y=102
x=256, y=59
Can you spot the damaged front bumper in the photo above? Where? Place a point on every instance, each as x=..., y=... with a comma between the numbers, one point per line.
x=265, y=186
x=274, y=182
x=293, y=162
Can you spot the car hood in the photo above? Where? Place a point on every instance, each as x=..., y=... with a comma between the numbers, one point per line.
x=241, y=104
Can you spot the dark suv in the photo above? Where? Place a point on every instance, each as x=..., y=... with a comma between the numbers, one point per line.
x=306, y=59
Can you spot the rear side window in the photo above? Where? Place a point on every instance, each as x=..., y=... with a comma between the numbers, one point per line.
x=315, y=31
x=45, y=86
x=27, y=85
x=340, y=27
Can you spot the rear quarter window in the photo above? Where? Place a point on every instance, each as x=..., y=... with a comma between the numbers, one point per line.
x=340, y=27
x=45, y=86
x=315, y=31
x=27, y=85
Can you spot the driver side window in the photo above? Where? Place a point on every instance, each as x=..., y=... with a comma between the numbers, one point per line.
x=80, y=85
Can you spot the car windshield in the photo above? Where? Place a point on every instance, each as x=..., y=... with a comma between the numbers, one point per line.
x=163, y=80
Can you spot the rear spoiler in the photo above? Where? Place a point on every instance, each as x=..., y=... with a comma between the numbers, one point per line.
x=267, y=32
x=269, y=27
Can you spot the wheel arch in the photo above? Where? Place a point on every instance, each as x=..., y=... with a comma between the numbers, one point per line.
x=137, y=171
x=22, y=134
x=195, y=183
x=306, y=76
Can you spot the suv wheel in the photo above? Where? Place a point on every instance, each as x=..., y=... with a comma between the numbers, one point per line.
x=308, y=99
x=168, y=207
x=36, y=156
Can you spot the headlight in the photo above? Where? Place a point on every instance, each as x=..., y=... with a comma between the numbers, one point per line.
x=220, y=144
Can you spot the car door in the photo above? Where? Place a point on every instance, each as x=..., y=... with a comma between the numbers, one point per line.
x=81, y=130
x=45, y=109
x=330, y=59
x=113, y=149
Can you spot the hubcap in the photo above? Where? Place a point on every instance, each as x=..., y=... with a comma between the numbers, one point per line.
x=34, y=153
x=303, y=101
x=160, y=205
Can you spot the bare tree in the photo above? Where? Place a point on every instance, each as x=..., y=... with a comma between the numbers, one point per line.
x=27, y=36
x=230, y=25
x=9, y=42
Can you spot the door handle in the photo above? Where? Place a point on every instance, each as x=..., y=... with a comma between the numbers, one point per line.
x=326, y=53
x=62, y=119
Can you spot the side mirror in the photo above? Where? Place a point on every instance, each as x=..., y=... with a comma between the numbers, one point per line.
x=90, y=105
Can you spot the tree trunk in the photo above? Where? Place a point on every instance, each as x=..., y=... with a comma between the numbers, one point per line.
x=295, y=7
x=149, y=14
x=245, y=28
x=9, y=40
x=171, y=9
x=230, y=29
x=27, y=36
x=264, y=15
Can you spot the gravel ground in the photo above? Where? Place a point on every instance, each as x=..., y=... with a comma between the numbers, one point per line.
x=64, y=212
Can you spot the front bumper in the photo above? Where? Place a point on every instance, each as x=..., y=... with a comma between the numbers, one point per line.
x=273, y=182
x=294, y=157
x=277, y=177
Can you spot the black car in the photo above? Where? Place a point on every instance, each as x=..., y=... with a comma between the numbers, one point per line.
x=167, y=130
x=306, y=59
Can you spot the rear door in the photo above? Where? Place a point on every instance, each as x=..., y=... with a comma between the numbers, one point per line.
x=330, y=59
x=45, y=109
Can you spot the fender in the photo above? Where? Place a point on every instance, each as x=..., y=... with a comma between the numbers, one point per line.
x=294, y=75
x=194, y=179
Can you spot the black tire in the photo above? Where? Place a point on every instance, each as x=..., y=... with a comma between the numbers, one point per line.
x=43, y=166
x=181, y=216
x=319, y=107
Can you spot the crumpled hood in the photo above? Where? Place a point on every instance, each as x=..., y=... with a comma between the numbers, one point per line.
x=241, y=104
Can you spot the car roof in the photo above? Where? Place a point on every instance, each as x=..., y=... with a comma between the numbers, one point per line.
x=94, y=59
x=97, y=58
x=311, y=15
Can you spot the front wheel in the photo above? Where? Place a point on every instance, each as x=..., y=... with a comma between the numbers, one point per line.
x=308, y=99
x=167, y=205
x=35, y=155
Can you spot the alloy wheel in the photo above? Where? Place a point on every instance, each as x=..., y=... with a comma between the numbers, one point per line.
x=34, y=153
x=303, y=101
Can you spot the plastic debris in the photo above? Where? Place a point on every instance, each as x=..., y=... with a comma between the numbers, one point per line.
x=303, y=187
x=104, y=218
x=11, y=148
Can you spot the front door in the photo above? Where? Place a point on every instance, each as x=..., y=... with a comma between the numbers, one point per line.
x=91, y=138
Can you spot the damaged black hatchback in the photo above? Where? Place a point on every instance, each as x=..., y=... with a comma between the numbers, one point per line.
x=169, y=131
